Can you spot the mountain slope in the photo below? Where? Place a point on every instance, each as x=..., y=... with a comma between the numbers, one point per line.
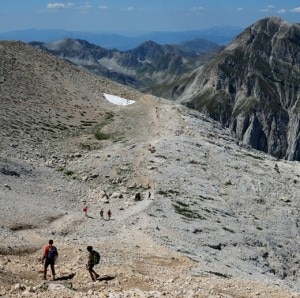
x=146, y=65
x=253, y=87
x=214, y=218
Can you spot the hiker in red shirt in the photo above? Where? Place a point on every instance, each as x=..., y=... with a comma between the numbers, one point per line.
x=50, y=255
x=85, y=209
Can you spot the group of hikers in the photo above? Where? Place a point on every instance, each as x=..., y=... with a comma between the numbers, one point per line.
x=109, y=213
x=50, y=255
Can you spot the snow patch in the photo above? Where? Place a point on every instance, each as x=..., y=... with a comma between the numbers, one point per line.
x=118, y=100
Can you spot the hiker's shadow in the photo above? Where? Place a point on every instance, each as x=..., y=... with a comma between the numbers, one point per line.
x=65, y=277
x=106, y=277
x=88, y=216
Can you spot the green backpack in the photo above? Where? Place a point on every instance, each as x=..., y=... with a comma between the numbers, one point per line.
x=96, y=257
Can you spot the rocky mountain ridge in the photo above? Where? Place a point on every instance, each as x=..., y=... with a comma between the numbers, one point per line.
x=215, y=217
x=220, y=35
x=252, y=87
x=147, y=65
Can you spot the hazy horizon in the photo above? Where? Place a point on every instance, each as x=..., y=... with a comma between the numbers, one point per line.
x=139, y=17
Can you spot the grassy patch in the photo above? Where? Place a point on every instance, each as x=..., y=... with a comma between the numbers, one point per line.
x=168, y=192
x=99, y=135
x=228, y=230
x=254, y=156
x=60, y=168
x=219, y=274
x=68, y=172
x=182, y=204
x=186, y=212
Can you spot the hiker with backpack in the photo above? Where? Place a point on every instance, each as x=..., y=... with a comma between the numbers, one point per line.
x=49, y=257
x=101, y=213
x=94, y=259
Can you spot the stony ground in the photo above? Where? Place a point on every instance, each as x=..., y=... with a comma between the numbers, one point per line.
x=215, y=219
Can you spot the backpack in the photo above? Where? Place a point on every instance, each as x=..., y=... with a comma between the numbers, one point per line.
x=52, y=253
x=96, y=257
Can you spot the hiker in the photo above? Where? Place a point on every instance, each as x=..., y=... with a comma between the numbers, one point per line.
x=85, y=209
x=101, y=213
x=109, y=214
x=50, y=255
x=94, y=259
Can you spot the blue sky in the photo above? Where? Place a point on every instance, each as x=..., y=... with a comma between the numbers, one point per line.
x=124, y=16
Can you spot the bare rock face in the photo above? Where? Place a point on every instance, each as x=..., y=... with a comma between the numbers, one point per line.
x=253, y=87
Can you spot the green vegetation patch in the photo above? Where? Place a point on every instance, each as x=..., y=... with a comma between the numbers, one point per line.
x=228, y=230
x=254, y=156
x=99, y=135
x=184, y=210
x=168, y=192
x=219, y=274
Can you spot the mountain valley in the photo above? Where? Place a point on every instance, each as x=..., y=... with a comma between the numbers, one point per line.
x=215, y=217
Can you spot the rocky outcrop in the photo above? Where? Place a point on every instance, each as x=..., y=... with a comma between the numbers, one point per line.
x=252, y=86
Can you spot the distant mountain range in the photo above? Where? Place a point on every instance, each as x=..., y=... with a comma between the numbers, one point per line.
x=220, y=35
x=145, y=66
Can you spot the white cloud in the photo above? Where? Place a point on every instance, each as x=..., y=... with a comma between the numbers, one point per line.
x=129, y=8
x=282, y=10
x=55, y=5
x=269, y=8
x=240, y=9
x=296, y=9
x=59, y=5
x=103, y=7
x=84, y=8
x=198, y=8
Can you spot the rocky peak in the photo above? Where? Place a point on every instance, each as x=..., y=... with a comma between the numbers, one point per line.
x=253, y=87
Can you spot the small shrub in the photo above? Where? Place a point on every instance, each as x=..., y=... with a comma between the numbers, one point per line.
x=228, y=230
x=99, y=135
x=254, y=156
x=167, y=192
x=194, y=162
x=69, y=172
x=219, y=274
x=276, y=168
x=152, y=150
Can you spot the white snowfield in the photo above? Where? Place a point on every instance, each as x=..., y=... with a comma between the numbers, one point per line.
x=118, y=100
